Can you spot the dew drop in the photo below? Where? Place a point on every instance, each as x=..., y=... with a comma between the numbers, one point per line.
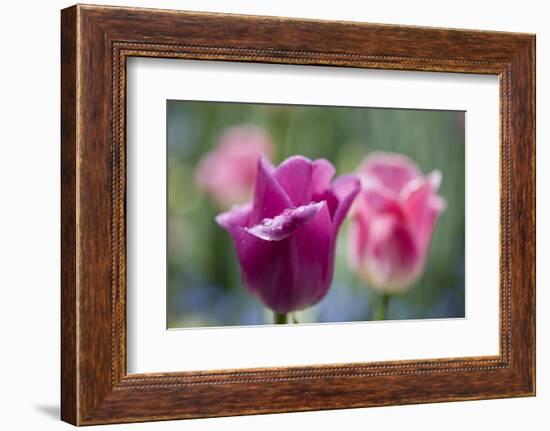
x=267, y=221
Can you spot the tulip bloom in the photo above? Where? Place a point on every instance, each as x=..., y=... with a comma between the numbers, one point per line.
x=285, y=238
x=228, y=173
x=392, y=221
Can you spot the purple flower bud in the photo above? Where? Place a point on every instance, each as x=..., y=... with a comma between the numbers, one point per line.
x=285, y=239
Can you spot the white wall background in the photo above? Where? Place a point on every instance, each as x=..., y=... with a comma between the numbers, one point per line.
x=29, y=215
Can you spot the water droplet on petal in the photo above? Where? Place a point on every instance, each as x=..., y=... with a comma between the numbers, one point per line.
x=267, y=221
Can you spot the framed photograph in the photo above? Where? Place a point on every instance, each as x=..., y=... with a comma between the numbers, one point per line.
x=264, y=215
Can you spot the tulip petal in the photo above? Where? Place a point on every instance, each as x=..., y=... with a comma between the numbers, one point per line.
x=260, y=260
x=345, y=188
x=377, y=201
x=370, y=203
x=284, y=224
x=392, y=259
x=270, y=199
x=294, y=175
x=358, y=231
x=423, y=207
x=391, y=170
x=435, y=178
x=312, y=260
x=323, y=171
x=236, y=217
x=289, y=274
x=357, y=240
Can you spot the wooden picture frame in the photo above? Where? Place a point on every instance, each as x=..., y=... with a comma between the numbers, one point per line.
x=95, y=43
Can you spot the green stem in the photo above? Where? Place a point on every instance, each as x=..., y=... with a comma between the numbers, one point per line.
x=280, y=318
x=381, y=311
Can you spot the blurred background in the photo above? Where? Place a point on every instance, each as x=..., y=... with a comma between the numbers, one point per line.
x=204, y=283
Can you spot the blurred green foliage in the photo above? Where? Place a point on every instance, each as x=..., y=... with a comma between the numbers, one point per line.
x=204, y=285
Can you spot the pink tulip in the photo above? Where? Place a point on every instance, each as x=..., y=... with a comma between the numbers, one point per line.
x=228, y=172
x=285, y=238
x=392, y=221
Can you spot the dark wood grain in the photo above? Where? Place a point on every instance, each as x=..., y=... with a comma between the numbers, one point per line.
x=69, y=398
x=96, y=41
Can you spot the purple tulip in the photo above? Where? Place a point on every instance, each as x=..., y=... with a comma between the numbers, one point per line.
x=228, y=172
x=285, y=239
x=392, y=221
